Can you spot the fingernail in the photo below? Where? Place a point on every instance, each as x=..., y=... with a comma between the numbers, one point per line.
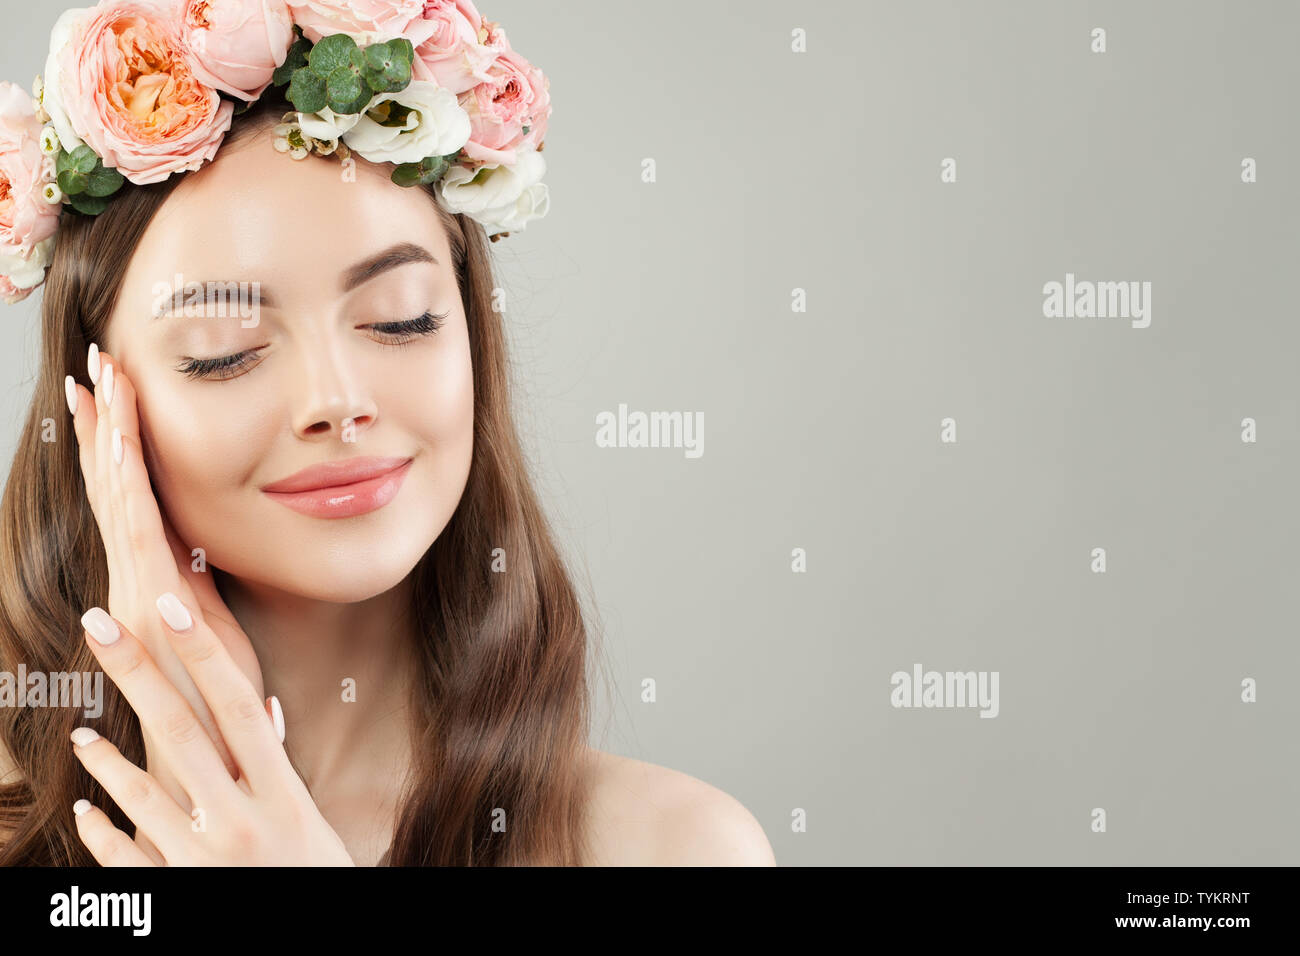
x=108, y=385
x=92, y=363
x=176, y=614
x=117, y=445
x=70, y=389
x=80, y=807
x=277, y=717
x=101, y=627
x=84, y=735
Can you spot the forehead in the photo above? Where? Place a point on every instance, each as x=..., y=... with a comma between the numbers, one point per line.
x=259, y=215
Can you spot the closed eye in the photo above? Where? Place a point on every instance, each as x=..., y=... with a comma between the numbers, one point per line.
x=398, y=333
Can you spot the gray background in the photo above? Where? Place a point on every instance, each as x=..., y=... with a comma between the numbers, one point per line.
x=820, y=170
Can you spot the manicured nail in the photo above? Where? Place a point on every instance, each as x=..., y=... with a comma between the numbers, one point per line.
x=80, y=807
x=70, y=389
x=108, y=385
x=101, y=627
x=176, y=614
x=92, y=363
x=277, y=717
x=84, y=735
x=117, y=445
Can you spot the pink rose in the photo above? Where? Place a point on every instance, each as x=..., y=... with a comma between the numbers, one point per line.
x=453, y=56
x=366, y=21
x=235, y=45
x=515, y=97
x=25, y=217
x=27, y=221
x=129, y=91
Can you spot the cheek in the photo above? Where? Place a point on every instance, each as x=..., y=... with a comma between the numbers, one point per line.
x=198, y=454
x=440, y=405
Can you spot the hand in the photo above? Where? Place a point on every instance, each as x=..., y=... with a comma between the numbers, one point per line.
x=145, y=555
x=264, y=818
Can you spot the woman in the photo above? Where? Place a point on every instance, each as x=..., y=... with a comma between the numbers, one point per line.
x=416, y=630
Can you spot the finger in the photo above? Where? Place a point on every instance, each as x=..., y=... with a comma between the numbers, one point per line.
x=164, y=714
x=112, y=523
x=84, y=419
x=137, y=511
x=106, y=843
x=238, y=706
x=202, y=584
x=140, y=796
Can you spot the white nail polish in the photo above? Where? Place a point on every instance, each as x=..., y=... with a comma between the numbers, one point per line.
x=117, y=446
x=92, y=363
x=101, y=627
x=80, y=807
x=70, y=389
x=176, y=614
x=277, y=717
x=108, y=385
x=84, y=735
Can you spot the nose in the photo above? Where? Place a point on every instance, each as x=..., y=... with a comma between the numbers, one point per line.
x=334, y=404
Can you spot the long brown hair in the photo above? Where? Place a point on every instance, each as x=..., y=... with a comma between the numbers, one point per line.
x=502, y=698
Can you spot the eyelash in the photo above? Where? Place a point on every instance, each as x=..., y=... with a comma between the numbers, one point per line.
x=407, y=330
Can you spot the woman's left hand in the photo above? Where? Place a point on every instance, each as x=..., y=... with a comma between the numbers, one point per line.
x=265, y=817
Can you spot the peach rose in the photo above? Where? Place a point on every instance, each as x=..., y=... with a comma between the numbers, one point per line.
x=453, y=56
x=366, y=21
x=236, y=45
x=514, y=97
x=128, y=89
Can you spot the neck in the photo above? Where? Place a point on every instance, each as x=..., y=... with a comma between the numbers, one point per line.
x=343, y=675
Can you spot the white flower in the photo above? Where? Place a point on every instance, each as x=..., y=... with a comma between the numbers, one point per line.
x=50, y=141
x=29, y=272
x=51, y=96
x=502, y=198
x=437, y=125
x=326, y=125
x=289, y=138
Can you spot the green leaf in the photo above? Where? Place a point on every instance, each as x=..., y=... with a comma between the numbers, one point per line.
x=332, y=52
x=62, y=160
x=84, y=159
x=71, y=181
x=90, y=205
x=346, y=92
x=104, y=181
x=406, y=174
x=295, y=60
x=403, y=48
x=387, y=70
x=307, y=92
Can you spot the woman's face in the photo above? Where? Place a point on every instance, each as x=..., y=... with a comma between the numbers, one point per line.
x=324, y=377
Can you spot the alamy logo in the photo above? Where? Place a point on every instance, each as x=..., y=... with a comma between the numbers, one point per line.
x=1099, y=300
x=651, y=430
x=26, y=688
x=102, y=909
x=946, y=689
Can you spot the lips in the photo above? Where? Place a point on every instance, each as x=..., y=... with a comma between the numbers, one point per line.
x=341, y=489
x=334, y=474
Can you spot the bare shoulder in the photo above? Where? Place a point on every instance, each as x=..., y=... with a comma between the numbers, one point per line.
x=642, y=814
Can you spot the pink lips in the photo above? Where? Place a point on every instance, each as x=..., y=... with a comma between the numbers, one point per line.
x=341, y=489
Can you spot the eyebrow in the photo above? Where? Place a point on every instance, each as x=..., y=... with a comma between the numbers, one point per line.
x=397, y=255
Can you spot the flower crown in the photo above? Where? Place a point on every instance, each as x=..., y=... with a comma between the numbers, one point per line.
x=136, y=90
